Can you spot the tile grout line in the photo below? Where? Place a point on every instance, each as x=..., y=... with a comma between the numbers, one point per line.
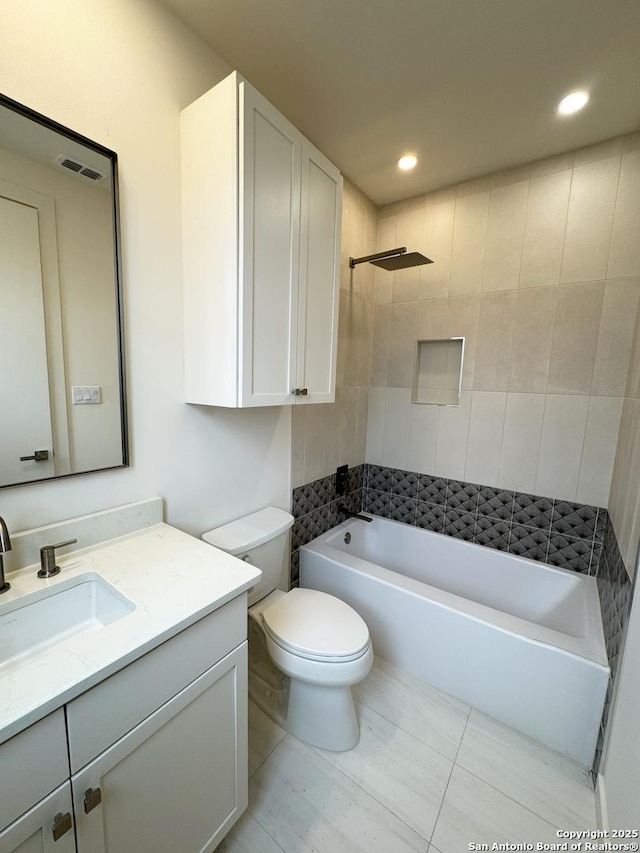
x=509, y=797
x=320, y=753
x=453, y=767
x=504, y=793
x=264, y=829
x=410, y=734
x=268, y=755
x=249, y=810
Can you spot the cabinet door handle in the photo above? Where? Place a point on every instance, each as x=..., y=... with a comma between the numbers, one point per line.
x=92, y=798
x=38, y=456
x=61, y=824
x=296, y=392
x=304, y=391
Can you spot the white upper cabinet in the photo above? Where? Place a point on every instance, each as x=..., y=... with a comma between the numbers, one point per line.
x=261, y=247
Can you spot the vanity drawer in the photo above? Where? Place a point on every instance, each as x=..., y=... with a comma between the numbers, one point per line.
x=32, y=764
x=109, y=710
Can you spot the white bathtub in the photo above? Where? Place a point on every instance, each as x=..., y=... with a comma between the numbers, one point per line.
x=520, y=640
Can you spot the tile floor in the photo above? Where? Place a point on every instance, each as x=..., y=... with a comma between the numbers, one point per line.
x=429, y=774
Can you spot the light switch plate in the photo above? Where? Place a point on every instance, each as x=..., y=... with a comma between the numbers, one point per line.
x=86, y=395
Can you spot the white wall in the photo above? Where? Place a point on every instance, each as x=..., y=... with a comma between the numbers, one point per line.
x=119, y=72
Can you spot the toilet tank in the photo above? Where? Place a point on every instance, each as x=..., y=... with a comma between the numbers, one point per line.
x=261, y=538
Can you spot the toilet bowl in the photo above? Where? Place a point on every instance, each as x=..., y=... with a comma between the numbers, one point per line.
x=314, y=639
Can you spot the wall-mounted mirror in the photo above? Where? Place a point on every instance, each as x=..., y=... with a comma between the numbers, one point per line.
x=62, y=400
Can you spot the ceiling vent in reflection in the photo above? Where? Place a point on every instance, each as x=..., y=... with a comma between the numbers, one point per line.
x=82, y=169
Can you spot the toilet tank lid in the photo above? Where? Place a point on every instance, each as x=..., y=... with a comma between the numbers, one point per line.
x=249, y=531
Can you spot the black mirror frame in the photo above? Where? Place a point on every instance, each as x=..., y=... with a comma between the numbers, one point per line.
x=50, y=124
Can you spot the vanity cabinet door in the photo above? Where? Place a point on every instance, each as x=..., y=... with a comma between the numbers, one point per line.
x=33, y=764
x=178, y=780
x=290, y=238
x=269, y=244
x=320, y=225
x=34, y=831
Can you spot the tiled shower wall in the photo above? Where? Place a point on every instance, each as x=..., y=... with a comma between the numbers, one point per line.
x=615, y=590
x=539, y=269
x=316, y=509
x=558, y=532
x=624, y=500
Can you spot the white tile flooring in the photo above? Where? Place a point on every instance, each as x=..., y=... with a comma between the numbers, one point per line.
x=429, y=774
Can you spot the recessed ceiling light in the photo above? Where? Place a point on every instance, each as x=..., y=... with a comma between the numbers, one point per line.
x=407, y=162
x=573, y=102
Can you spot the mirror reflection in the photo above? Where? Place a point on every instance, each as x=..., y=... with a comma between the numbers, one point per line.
x=61, y=363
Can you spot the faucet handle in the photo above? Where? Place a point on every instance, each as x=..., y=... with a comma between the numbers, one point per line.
x=48, y=566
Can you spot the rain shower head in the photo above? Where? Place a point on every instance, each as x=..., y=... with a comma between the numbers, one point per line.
x=394, y=259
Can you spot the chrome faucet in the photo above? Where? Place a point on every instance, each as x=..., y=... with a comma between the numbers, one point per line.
x=343, y=509
x=5, y=545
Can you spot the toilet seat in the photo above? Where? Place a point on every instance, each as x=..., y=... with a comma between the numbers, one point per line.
x=316, y=626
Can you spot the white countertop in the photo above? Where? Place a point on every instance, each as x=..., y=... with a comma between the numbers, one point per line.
x=172, y=578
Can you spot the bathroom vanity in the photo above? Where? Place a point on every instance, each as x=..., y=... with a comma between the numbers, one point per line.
x=126, y=731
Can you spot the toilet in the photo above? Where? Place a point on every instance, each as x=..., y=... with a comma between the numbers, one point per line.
x=316, y=641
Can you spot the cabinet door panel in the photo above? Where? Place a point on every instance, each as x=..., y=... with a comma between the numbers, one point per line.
x=177, y=781
x=269, y=237
x=33, y=832
x=319, y=276
x=106, y=712
x=32, y=764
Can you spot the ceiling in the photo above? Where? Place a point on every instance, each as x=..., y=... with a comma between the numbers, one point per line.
x=470, y=86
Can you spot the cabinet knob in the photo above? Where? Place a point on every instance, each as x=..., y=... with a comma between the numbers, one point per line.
x=92, y=798
x=61, y=824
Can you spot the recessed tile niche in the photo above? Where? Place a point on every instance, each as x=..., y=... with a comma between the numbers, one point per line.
x=438, y=371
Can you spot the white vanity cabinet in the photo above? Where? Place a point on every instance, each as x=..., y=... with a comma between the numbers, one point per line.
x=173, y=782
x=45, y=828
x=36, y=813
x=261, y=253
x=156, y=753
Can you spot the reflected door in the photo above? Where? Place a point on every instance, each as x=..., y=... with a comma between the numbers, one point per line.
x=25, y=412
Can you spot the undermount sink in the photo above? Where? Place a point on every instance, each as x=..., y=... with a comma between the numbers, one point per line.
x=34, y=622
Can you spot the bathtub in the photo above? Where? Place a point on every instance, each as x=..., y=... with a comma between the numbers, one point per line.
x=519, y=640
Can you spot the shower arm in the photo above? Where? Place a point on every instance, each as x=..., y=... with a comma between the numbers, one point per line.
x=378, y=256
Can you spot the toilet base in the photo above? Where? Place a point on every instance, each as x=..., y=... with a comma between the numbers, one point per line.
x=322, y=716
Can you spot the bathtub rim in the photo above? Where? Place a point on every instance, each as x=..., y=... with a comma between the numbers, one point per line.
x=590, y=648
